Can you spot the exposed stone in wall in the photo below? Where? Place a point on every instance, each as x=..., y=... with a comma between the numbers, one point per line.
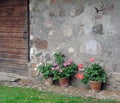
x=48, y=23
x=40, y=43
x=77, y=11
x=55, y=12
x=113, y=67
x=67, y=30
x=71, y=50
x=114, y=82
x=116, y=76
x=75, y=27
x=73, y=8
x=33, y=72
x=98, y=28
x=51, y=32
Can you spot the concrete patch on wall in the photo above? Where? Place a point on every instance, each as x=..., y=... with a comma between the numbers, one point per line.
x=92, y=47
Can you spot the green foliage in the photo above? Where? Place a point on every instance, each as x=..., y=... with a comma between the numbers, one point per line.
x=65, y=71
x=95, y=72
x=45, y=69
x=59, y=58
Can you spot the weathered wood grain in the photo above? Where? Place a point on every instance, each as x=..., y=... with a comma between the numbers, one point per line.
x=13, y=28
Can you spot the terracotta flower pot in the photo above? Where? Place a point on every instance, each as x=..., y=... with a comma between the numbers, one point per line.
x=64, y=82
x=95, y=85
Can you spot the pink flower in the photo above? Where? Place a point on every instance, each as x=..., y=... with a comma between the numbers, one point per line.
x=60, y=71
x=70, y=61
x=92, y=59
x=55, y=64
x=57, y=68
x=80, y=66
x=79, y=76
x=53, y=68
x=65, y=64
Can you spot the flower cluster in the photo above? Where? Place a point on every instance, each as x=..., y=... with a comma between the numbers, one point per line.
x=79, y=76
x=65, y=64
x=60, y=69
x=94, y=72
x=56, y=67
x=80, y=66
x=69, y=62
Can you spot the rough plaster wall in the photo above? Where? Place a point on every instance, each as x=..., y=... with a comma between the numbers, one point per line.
x=80, y=29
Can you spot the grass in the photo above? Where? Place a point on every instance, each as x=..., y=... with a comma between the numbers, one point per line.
x=25, y=95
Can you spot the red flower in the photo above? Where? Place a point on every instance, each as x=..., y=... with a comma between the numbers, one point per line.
x=79, y=76
x=92, y=59
x=80, y=66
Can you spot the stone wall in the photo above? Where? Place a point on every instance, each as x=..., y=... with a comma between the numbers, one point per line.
x=78, y=28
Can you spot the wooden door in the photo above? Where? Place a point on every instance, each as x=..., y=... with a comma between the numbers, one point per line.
x=14, y=36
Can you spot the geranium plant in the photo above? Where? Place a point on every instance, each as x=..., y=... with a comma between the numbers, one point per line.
x=62, y=69
x=94, y=72
x=45, y=69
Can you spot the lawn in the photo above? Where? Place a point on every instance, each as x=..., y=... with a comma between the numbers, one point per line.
x=25, y=95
